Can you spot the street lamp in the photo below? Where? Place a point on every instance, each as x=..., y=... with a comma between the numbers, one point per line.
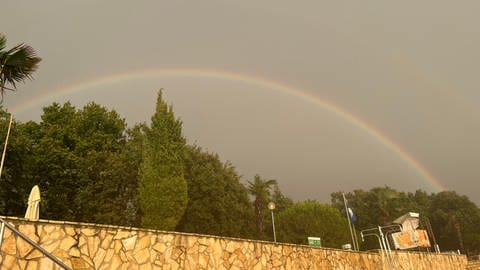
x=271, y=206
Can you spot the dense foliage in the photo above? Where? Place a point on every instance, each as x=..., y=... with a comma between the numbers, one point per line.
x=454, y=219
x=218, y=203
x=311, y=218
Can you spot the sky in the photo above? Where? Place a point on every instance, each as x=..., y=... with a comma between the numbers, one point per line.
x=322, y=96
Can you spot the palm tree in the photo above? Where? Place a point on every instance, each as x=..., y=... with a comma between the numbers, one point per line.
x=16, y=65
x=260, y=189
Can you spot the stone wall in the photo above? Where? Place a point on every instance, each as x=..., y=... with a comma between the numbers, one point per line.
x=92, y=246
x=473, y=265
x=423, y=260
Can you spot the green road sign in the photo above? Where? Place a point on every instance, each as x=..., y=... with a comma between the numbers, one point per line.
x=314, y=241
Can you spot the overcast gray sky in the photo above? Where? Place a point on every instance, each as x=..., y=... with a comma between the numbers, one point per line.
x=407, y=68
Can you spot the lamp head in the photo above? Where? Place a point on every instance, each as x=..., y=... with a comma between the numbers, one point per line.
x=271, y=205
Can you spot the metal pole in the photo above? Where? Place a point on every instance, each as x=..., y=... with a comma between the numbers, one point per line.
x=430, y=231
x=387, y=249
x=349, y=223
x=355, y=236
x=2, y=231
x=5, y=146
x=388, y=242
x=273, y=227
x=382, y=238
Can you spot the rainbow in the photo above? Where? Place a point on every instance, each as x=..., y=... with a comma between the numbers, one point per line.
x=248, y=79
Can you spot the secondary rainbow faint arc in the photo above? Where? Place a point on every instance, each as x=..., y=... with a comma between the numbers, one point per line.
x=245, y=78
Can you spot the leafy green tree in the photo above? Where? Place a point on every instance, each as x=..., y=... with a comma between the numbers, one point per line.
x=57, y=169
x=163, y=193
x=455, y=220
x=311, y=218
x=132, y=158
x=260, y=190
x=77, y=158
x=378, y=206
x=420, y=202
x=217, y=202
x=14, y=193
x=100, y=144
x=16, y=65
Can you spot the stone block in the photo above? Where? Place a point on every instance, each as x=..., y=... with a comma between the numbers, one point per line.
x=121, y=235
x=93, y=244
x=98, y=257
x=29, y=231
x=49, y=228
x=82, y=240
x=59, y=253
x=146, y=266
x=46, y=263
x=22, y=264
x=51, y=246
x=142, y=256
x=23, y=247
x=160, y=247
x=129, y=243
x=87, y=260
x=106, y=241
x=117, y=246
x=168, y=237
x=7, y=233
x=34, y=255
x=143, y=242
x=123, y=256
x=88, y=231
x=67, y=243
x=74, y=252
x=102, y=234
x=109, y=255
x=8, y=262
x=70, y=231
x=84, y=250
x=129, y=255
x=116, y=262
x=33, y=265
x=9, y=245
x=56, y=235
x=78, y=264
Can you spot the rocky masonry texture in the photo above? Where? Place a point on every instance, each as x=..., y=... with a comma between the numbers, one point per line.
x=91, y=246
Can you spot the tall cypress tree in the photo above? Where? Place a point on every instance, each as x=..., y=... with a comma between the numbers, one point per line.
x=163, y=190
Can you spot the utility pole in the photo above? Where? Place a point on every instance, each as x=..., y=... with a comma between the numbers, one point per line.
x=355, y=247
x=5, y=146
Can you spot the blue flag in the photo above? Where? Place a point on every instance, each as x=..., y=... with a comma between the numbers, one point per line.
x=351, y=215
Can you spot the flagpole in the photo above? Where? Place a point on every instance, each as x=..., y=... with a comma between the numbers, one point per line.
x=349, y=223
x=5, y=147
x=355, y=236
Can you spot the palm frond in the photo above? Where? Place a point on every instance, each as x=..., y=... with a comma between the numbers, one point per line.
x=18, y=64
